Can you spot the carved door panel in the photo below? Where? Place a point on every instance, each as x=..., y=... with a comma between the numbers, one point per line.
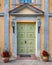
x=26, y=38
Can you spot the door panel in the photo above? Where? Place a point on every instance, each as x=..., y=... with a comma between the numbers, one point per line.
x=26, y=38
x=21, y=28
x=21, y=51
x=30, y=27
x=21, y=35
x=30, y=35
x=30, y=51
x=21, y=46
x=30, y=46
x=31, y=43
x=20, y=38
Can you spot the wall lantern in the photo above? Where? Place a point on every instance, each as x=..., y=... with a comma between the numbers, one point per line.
x=39, y=25
x=13, y=26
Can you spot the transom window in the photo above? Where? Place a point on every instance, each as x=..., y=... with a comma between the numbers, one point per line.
x=25, y=1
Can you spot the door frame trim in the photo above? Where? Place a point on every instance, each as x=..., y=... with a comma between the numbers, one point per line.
x=14, y=38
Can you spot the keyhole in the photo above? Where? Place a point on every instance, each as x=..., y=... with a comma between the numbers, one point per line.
x=25, y=41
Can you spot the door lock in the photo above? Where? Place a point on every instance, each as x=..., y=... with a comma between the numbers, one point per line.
x=25, y=41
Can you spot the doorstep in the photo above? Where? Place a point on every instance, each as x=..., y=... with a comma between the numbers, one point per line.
x=32, y=57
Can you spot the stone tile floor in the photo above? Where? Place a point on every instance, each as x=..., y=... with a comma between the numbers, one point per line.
x=14, y=61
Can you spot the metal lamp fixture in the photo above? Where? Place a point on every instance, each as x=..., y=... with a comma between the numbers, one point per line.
x=39, y=25
x=13, y=26
x=13, y=23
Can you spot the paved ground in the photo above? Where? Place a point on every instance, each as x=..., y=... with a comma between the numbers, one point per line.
x=13, y=61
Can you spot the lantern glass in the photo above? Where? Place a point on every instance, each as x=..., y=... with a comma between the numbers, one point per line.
x=13, y=24
x=13, y=27
x=39, y=23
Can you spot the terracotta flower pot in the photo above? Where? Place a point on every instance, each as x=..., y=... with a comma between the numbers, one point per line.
x=45, y=58
x=5, y=59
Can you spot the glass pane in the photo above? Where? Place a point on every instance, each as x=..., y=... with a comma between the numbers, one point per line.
x=21, y=1
x=29, y=1
x=25, y=1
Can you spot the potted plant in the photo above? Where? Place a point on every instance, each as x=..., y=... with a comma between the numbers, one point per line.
x=5, y=56
x=45, y=55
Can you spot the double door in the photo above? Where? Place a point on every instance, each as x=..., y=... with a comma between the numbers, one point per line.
x=26, y=38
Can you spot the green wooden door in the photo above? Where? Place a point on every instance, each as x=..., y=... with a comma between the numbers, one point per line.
x=26, y=38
